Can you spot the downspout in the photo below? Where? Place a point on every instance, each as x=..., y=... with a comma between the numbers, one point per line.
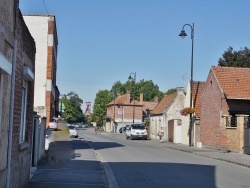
x=11, y=114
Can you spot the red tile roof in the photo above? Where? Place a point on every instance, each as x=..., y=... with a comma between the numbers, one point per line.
x=234, y=81
x=164, y=103
x=149, y=105
x=122, y=100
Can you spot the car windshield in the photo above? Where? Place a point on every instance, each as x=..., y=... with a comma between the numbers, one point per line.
x=71, y=127
x=138, y=126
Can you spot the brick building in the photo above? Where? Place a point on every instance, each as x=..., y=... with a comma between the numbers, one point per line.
x=120, y=112
x=44, y=31
x=224, y=100
x=17, y=64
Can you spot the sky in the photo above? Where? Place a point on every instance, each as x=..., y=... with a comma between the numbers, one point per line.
x=104, y=41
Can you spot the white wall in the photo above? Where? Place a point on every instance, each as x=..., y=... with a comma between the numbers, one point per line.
x=38, y=27
x=185, y=119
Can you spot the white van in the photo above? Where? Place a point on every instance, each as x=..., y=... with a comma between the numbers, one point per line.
x=136, y=131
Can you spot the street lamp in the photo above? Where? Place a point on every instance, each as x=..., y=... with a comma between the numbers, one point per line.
x=134, y=79
x=183, y=35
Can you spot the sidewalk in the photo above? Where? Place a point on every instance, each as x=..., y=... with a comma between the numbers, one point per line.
x=231, y=157
x=70, y=163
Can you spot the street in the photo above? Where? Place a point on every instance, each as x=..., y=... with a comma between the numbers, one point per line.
x=136, y=163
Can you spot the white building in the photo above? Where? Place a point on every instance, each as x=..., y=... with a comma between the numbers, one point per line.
x=46, y=97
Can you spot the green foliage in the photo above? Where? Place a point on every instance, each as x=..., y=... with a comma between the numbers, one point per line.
x=170, y=91
x=231, y=58
x=100, y=106
x=73, y=112
x=148, y=88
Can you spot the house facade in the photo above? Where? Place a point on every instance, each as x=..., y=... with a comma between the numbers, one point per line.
x=225, y=111
x=197, y=88
x=44, y=31
x=168, y=109
x=17, y=64
x=120, y=112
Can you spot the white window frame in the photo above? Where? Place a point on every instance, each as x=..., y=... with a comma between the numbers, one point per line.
x=23, y=111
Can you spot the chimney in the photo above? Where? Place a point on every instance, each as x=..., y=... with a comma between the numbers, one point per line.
x=141, y=98
x=156, y=99
x=128, y=97
x=179, y=90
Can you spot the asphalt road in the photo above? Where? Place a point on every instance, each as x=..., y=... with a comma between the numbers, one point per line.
x=135, y=163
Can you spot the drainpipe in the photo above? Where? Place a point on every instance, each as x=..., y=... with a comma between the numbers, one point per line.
x=13, y=76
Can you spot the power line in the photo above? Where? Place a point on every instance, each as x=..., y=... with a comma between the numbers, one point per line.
x=45, y=7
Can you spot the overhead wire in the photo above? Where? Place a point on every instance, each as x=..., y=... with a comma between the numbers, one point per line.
x=45, y=7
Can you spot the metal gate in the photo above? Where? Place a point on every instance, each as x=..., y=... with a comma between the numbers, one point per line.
x=247, y=135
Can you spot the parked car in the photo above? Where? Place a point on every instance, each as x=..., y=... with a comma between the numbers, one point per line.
x=73, y=131
x=85, y=125
x=53, y=125
x=78, y=125
x=136, y=131
x=122, y=129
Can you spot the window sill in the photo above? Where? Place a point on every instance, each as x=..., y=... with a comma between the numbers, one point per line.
x=231, y=127
x=24, y=145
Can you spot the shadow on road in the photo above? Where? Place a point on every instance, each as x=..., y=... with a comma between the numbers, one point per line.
x=134, y=174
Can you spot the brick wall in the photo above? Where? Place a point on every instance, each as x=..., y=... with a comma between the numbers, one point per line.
x=212, y=133
x=49, y=109
x=128, y=112
x=235, y=135
x=20, y=161
x=51, y=72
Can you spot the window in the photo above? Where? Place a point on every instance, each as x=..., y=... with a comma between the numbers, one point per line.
x=23, y=111
x=8, y=51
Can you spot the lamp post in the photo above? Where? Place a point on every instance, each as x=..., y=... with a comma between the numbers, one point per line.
x=183, y=35
x=134, y=79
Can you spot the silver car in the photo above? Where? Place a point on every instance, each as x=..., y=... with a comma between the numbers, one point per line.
x=73, y=132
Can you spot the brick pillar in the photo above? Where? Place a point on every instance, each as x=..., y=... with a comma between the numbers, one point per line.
x=240, y=130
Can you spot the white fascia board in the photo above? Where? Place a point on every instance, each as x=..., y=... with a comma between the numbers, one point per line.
x=5, y=65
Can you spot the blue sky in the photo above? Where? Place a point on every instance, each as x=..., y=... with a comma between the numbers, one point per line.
x=103, y=41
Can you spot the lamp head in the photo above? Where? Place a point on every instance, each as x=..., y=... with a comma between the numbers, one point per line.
x=130, y=78
x=183, y=34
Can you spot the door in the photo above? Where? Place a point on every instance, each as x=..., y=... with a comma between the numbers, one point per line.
x=247, y=140
x=178, y=134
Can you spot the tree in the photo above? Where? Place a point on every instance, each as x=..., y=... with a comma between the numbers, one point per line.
x=73, y=112
x=170, y=91
x=231, y=58
x=100, y=106
x=148, y=88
